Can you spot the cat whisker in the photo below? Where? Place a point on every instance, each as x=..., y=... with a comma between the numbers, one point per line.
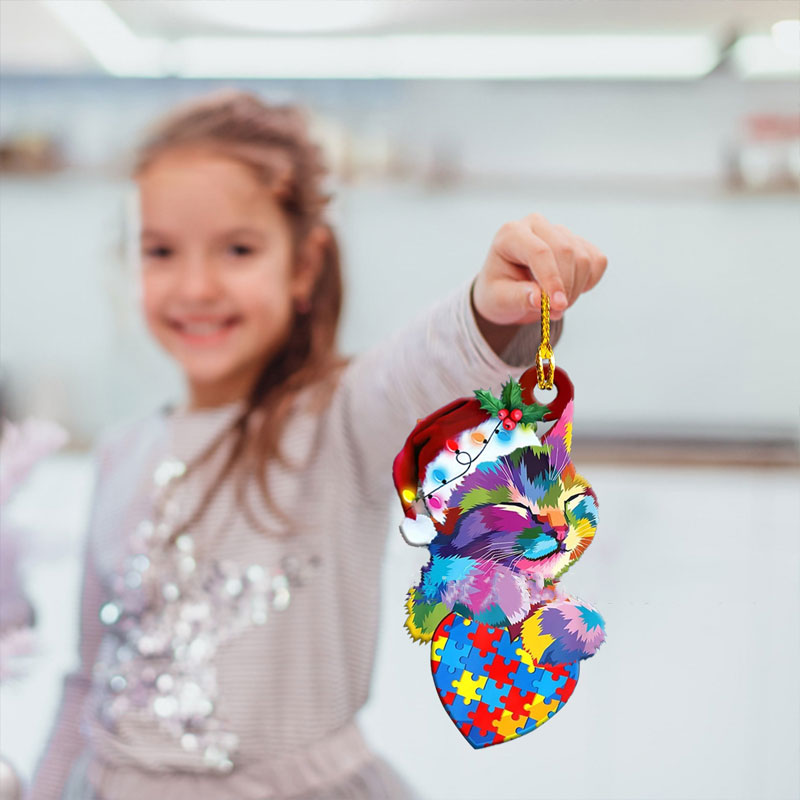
x=499, y=546
x=496, y=548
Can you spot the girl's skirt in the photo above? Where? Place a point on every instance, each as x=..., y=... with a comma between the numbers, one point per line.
x=375, y=780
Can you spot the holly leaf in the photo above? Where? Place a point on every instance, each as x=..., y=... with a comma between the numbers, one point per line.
x=488, y=401
x=507, y=395
x=533, y=413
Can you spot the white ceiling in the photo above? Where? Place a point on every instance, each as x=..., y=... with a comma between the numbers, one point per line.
x=185, y=17
x=32, y=40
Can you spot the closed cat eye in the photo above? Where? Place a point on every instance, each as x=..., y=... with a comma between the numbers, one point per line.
x=574, y=497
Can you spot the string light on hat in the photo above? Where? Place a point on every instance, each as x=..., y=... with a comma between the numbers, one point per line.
x=452, y=446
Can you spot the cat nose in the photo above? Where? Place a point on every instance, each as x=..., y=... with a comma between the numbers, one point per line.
x=554, y=518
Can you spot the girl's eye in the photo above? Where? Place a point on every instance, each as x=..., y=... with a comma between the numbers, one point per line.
x=158, y=252
x=241, y=249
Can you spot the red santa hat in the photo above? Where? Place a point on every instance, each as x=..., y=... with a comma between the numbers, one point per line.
x=442, y=430
x=430, y=436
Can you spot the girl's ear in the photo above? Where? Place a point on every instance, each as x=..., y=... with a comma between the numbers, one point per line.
x=310, y=263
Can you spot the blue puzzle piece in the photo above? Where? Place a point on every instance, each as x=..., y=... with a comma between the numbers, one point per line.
x=494, y=694
x=475, y=663
x=454, y=655
x=445, y=673
x=526, y=679
x=478, y=738
x=548, y=684
x=460, y=709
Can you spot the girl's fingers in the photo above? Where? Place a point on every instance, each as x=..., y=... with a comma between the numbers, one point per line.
x=597, y=264
x=583, y=271
x=514, y=302
x=561, y=263
x=517, y=243
x=564, y=244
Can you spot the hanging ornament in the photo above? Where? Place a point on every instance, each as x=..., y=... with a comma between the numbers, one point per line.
x=504, y=515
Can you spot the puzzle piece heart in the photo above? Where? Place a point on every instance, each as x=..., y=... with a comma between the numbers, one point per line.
x=491, y=687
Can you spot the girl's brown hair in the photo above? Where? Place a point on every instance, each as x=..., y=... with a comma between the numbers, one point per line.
x=273, y=141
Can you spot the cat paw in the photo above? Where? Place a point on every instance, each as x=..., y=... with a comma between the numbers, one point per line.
x=562, y=631
x=423, y=617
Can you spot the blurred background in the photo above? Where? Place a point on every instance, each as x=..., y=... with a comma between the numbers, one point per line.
x=667, y=133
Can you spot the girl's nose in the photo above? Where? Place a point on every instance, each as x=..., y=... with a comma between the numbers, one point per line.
x=198, y=279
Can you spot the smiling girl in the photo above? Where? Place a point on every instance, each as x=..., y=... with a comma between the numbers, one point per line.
x=230, y=598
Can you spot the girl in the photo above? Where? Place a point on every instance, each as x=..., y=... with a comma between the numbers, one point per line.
x=230, y=594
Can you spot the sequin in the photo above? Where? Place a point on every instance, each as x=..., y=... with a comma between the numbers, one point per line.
x=280, y=588
x=109, y=613
x=133, y=579
x=165, y=706
x=140, y=562
x=171, y=592
x=187, y=564
x=165, y=682
x=168, y=470
x=171, y=610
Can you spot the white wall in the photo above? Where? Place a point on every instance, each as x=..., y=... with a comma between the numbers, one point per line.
x=694, y=327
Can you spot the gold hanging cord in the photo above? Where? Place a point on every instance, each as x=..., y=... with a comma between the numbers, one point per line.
x=545, y=351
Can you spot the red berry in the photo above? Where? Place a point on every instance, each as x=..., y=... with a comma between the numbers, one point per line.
x=516, y=414
x=502, y=413
x=509, y=424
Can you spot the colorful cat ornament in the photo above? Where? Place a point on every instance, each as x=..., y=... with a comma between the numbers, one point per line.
x=504, y=516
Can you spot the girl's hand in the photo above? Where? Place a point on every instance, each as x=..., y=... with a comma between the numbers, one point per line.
x=527, y=255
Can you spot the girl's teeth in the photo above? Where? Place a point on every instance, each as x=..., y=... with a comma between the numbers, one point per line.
x=203, y=329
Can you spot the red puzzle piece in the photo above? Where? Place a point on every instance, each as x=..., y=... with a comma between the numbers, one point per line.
x=485, y=639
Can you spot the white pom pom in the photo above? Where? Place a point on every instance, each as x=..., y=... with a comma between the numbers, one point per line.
x=418, y=532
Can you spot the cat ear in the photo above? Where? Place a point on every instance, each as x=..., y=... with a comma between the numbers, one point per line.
x=560, y=435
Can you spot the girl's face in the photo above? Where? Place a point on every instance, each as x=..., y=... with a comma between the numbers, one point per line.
x=218, y=279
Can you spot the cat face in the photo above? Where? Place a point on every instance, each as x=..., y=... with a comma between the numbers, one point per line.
x=528, y=510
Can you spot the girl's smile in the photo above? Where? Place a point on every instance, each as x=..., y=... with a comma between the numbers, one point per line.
x=204, y=331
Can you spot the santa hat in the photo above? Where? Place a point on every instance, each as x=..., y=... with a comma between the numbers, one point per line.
x=449, y=443
x=431, y=435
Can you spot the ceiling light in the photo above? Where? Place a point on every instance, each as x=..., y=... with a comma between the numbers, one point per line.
x=759, y=56
x=448, y=56
x=786, y=35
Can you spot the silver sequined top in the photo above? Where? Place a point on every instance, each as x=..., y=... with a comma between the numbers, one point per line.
x=230, y=664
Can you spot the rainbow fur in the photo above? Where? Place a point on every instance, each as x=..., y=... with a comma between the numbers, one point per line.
x=562, y=631
x=513, y=527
